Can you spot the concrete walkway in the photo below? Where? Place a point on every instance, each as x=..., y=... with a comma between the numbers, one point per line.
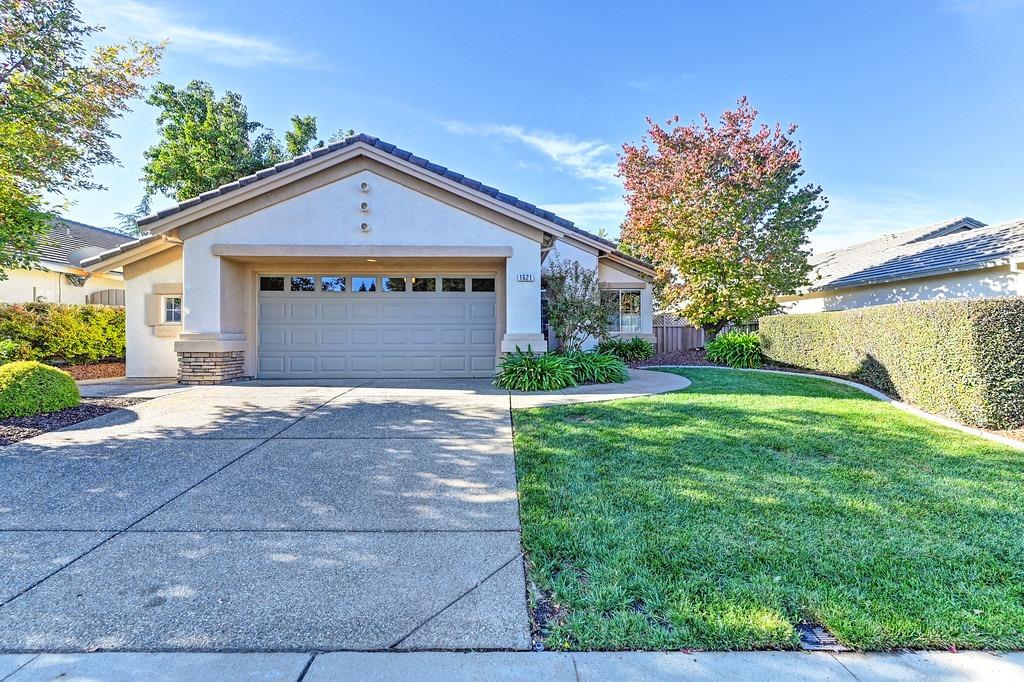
x=524, y=667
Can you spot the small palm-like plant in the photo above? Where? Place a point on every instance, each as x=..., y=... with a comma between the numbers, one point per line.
x=739, y=350
x=527, y=371
x=596, y=368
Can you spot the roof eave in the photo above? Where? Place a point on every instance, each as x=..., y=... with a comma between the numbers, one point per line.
x=129, y=252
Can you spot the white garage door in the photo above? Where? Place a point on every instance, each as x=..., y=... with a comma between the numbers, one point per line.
x=352, y=326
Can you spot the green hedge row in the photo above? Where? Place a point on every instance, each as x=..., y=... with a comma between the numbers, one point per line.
x=52, y=332
x=963, y=359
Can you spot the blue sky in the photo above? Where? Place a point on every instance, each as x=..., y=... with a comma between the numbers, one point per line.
x=909, y=112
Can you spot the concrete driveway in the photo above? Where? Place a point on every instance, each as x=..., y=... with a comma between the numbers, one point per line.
x=268, y=516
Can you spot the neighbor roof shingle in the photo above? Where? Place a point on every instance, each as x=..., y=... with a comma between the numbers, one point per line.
x=960, y=244
x=66, y=236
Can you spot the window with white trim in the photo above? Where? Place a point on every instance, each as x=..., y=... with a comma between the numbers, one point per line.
x=172, y=310
x=624, y=309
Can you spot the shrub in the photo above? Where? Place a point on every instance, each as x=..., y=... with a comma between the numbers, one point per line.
x=68, y=333
x=526, y=371
x=739, y=350
x=628, y=350
x=28, y=387
x=595, y=368
x=576, y=310
x=963, y=359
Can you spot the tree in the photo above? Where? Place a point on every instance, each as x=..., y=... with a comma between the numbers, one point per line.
x=721, y=213
x=575, y=309
x=56, y=107
x=206, y=141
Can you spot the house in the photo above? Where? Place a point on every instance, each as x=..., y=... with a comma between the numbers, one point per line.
x=58, y=279
x=355, y=260
x=959, y=258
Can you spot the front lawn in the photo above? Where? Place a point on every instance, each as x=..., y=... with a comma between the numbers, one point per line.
x=720, y=516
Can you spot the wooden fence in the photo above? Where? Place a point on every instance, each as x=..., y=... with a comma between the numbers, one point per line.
x=113, y=297
x=675, y=334
x=674, y=337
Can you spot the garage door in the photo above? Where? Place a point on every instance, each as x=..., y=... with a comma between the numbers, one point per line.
x=343, y=326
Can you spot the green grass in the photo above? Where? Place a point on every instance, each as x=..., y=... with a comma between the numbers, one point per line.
x=720, y=516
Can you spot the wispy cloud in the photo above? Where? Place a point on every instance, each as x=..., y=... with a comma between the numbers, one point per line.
x=587, y=159
x=851, y=219
x=655, y=83
x=592, y=215
x=124, y=19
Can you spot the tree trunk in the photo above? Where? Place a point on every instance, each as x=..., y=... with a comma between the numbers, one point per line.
x=711, y=331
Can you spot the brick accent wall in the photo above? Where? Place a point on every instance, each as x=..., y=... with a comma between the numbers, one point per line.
x=210, y=368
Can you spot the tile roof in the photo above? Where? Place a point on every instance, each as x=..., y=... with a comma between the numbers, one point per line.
x=955, y=245
x=66, y=236
x=388, y=148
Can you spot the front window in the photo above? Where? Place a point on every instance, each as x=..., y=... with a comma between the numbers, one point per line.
x=172, y=310
x=623, y=309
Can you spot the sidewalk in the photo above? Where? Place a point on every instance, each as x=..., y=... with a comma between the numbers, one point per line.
x=576, y=667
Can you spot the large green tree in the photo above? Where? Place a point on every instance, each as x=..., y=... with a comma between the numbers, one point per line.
x=722, y=213
x=206, y=141
x=56, y=107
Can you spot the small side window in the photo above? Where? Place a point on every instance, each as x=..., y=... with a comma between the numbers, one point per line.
x=172, y=310
x=271, y=283
x=303, y=283
x=424, y=283
x=483, y=284
x=453, y=284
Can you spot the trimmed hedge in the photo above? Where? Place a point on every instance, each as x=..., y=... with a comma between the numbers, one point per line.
x=29, y=387
x=963, y=359
x=54, y=332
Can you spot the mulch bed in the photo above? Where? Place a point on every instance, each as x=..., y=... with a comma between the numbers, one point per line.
x=678, y=357
x=96, y=370
x=14, y=429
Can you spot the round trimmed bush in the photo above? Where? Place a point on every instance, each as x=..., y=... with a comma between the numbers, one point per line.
x=30, y=387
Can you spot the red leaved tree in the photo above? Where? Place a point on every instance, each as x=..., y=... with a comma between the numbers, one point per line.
x=722, y=215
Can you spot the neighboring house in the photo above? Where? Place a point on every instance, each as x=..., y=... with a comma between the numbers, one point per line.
x=58, y=280
x=355, y=260
x=960, y=258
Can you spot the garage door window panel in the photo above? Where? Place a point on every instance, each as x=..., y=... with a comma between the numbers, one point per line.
x=453, y=284
x=483, y=285
x=396, y=284
x=271, y=283
x=334, y=283
x=303, y=283
x=364, y=284
x=424, y=284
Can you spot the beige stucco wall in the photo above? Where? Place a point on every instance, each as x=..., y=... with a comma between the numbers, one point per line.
x=25, y=286
x=149, y=354
x=219, y=294
x=988, y=283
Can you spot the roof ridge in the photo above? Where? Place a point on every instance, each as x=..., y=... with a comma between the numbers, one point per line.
x=388, y=148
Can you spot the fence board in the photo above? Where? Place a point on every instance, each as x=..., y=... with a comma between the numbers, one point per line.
x=678, y=337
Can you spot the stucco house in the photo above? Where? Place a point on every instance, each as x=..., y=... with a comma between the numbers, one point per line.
x=60, y=280
x=958, y=258
x=358, y=259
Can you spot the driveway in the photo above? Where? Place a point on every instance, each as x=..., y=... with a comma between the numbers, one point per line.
x=268, y=516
